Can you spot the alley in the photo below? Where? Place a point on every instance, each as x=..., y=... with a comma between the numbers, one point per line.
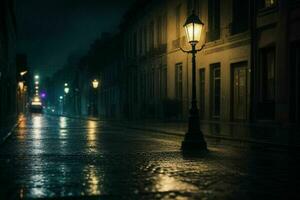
x=58, y=157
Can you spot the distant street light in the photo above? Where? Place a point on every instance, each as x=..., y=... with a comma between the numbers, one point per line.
x=23, y=73
x=36, y=82
x=67, y=90
x=61, y=97
x=36, y=77
x=95, y=83
x=193, y=139
x=21, y=86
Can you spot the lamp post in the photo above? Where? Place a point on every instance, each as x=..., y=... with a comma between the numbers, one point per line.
x=193, y=139
x=66, y=90
x=95, y=84
x=61, y=98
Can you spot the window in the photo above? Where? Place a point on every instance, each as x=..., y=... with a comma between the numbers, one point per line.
x=151, y=36
x=152, y=82
x=159, y=31
x=130, y=46
x=164, y=29
x=240, y=16
x=213, y=20
x=216, y=89
x=134, y=49
x=143, y=86
x=145, y=40
x=164, y=80
x=268, y=74
x=140, y=41
x=267, y=3
x=178, y=81
x=270, y=3
x=178, y=23
x=192, y=5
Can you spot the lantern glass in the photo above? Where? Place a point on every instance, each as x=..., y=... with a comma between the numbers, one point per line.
x=193, y=32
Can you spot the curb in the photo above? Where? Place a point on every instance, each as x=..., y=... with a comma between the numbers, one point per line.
x=181, y=134
x=3, y=139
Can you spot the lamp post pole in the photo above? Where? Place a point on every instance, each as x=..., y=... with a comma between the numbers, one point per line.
x=193, y=139
x=95, y=84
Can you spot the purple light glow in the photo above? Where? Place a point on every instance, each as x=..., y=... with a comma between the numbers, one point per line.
x=43, y=95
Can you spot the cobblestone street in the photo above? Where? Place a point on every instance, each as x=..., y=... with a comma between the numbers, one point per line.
x=58, y=157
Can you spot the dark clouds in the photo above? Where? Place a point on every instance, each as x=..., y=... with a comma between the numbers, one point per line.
x=50, y=30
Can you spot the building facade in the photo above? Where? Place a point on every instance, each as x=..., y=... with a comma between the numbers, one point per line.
x=7, y=62
x=247, y=71
x=276, y=55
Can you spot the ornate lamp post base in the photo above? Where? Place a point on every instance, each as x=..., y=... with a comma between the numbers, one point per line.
x=193, y=142
x=193, y=139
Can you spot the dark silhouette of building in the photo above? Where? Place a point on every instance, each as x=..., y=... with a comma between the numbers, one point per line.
x=8, y=83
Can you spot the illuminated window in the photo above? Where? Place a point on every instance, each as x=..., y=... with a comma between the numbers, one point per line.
x=267, y=3
x=270, y=3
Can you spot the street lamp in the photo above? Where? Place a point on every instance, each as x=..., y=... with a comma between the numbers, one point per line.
x=193, y=139
x=67, y=90
x=21, y=86
x=23, y=73
x=36, y=77
x=95, y=83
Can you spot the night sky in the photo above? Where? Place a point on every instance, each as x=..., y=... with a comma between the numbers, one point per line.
x=50, y=30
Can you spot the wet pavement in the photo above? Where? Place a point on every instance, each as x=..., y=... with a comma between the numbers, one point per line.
x=57, y=157
x=268, y=134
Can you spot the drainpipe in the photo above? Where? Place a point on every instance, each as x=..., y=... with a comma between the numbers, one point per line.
x=253, y=99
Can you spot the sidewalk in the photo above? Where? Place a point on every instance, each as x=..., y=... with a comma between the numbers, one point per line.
x=6, y=128
x=253, y=133
x=263, y=134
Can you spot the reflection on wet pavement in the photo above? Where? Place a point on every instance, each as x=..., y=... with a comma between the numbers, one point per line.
x=61, y=157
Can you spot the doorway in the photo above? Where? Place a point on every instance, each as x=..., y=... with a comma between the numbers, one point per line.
x=215, y=90
x=239, y=91
x=295, y=83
